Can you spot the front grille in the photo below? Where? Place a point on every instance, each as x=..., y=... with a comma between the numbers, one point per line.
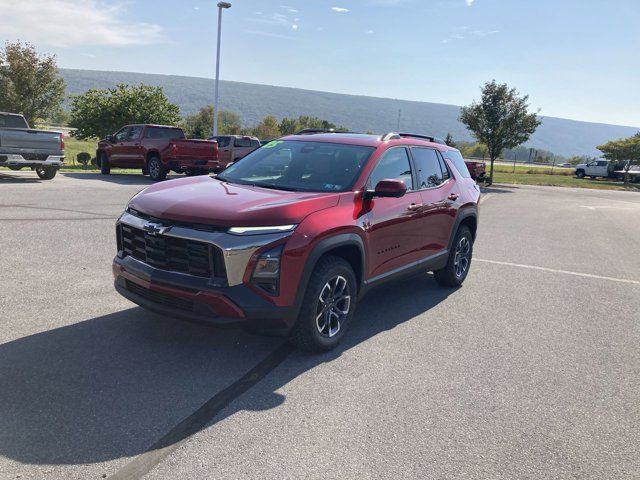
x=171, y=253
x=160, y=298
x=35, y=156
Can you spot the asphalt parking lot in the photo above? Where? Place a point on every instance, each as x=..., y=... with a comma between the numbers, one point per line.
x=530, y=370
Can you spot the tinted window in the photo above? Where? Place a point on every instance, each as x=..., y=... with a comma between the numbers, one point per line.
x=394, y=164
x=12, y=121
x=300, y=166
x=445, y=170
x=161, y=132
x=222, y=141
x=455, y=157
x=134, y=132
x=242, y=142
x=428, y=165
x=602, y=163
x=122, y=134
x=255, y=143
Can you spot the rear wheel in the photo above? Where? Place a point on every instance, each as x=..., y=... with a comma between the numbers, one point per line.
x=459, y=261
x=105, y=167
x=156, y=169
x=46, y=173
x=580, y=173
x=328, y=306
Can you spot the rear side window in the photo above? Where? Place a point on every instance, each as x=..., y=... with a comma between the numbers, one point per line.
x=255, y=143
x=161, y=132
x=13, y=121
x=242, y=142
x=455, y=157
x=394, y=165
x=428, y=165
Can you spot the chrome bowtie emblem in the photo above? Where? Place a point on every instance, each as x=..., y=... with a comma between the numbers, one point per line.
x=155, y=229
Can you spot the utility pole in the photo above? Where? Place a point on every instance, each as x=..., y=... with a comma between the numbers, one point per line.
x=221, y=5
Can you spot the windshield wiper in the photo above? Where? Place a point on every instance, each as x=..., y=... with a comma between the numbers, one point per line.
x=274, y=187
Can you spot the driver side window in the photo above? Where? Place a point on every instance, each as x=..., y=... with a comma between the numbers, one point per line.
x=121, y=135
x=394, y=165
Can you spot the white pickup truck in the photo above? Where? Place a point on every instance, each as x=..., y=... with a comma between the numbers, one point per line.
x=23, y=147
x=606, y=169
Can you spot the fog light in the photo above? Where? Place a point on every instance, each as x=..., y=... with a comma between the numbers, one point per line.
x=266, y=273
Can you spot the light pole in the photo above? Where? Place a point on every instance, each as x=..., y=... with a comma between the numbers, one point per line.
x=221, y=5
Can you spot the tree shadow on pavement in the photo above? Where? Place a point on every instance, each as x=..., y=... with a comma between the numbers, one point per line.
x=113, y=386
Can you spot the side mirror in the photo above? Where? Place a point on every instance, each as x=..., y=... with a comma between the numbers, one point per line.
x=111, y=139
x=387, y=188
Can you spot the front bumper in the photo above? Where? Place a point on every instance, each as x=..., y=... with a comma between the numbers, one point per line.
x=194, y=299
x=14, y=160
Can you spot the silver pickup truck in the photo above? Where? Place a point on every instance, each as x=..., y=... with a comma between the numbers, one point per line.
x=23, y=147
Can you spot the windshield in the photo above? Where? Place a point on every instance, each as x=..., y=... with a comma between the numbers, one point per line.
x=300, y=166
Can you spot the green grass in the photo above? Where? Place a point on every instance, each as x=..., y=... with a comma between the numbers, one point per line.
x=528, y=169
x=559, y=181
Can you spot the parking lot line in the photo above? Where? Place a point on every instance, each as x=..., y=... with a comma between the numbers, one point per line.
x=554, y=270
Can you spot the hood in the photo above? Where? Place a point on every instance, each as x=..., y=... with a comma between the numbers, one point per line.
x=209, y=201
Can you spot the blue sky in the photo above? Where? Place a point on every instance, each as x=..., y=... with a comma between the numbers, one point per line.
x=575, y=58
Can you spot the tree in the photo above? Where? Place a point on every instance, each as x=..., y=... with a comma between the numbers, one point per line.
x=500, y=120
x=449, y=141
x=625, y=150
x=29, y=82
x=200, y=124
x=98, y=113
x=267, y=128
x=292, y=125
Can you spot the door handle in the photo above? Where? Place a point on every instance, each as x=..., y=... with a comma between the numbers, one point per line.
x=453, y=196
x=414, y=206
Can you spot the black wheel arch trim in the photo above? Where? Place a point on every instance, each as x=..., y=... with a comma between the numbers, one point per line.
x=467, y=212
x=324, y=246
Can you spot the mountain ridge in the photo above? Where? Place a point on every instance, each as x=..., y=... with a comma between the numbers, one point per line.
x=357, y=112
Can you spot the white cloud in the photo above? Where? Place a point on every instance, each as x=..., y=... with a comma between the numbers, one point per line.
x=294, y=26
x=469, y=2
x=339, y=9
x=370, y=32
x=66, y=23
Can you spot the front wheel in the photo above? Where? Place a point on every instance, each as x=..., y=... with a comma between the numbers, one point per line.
x=156, y=169
x=328, y=306
x=580, y=173
x=105, y=167
x=46, y=173
x=459, y=261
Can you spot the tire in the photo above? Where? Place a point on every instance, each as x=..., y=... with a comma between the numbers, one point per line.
x=14, y=168
x=315, y=331
x=46, y=173
x=145, y=170
x=580, y=173
x=156, y=169
x=459, y=261
x=105, y=167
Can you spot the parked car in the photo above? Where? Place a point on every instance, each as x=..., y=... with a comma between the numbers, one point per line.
x=564, y=165
x=156, y=150
x=634, y=173
x=23, y=147
x=596, y=168
x=477, y=169
x=234, y=147
x=295, y=249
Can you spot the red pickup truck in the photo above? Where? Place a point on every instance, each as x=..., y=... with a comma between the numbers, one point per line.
x=156, y=149
x=477, y=169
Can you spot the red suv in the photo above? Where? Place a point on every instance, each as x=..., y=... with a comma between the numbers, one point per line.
x=293, y=234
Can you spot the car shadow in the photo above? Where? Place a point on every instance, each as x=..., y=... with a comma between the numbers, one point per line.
x=119, y=178
x=112, y=386
x=9, y=178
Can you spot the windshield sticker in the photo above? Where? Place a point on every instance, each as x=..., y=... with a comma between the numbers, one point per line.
x=331, y=186
x=275, y=143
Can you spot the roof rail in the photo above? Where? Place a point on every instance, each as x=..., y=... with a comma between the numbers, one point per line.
x=390, y=136
x=430, y=138
x=311, y=131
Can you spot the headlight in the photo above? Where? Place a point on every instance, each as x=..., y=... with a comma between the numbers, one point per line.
x=266, y=273
x=261, y=230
